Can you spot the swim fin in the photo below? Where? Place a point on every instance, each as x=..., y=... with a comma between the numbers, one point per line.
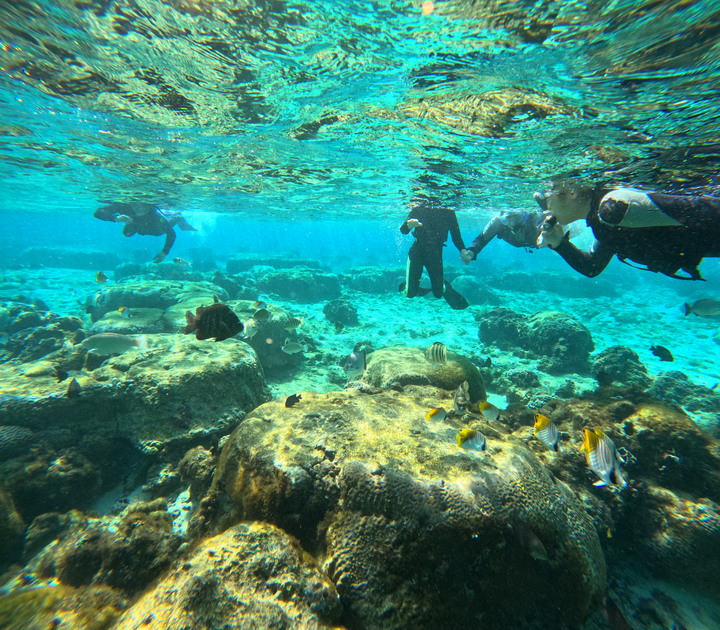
x=454, y=299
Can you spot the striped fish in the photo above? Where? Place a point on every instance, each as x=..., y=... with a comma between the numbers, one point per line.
x=546, y=431
x=436, y=354
x=603, y=458
x=292, y=323
x=471, y=440
x=461, y=399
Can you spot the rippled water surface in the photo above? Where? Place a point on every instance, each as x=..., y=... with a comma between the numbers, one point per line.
x=344, y=107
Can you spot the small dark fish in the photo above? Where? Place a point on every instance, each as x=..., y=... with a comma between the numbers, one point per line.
x=60, y=374
x=216, y=320
x=293, y=400
x=181, y=261
x=486, y=363
x=715, y=386
x=530, y=542
x=73, y=390
x=261, y=315
x=662, y=353
x=100, y=277
x=339, y=326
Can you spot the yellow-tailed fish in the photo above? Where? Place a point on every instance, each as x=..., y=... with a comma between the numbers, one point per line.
x=546, y=431
x=603, y=458
x=438, y=414
x=489, y=411
x=436, y=353
x=259, y=304
x=471, y=440
x=124, y=311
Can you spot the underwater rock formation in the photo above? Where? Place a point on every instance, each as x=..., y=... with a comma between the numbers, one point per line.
x=677, y=389
x=341, y=312
x=251, y=576
x=399, y=366
x=11, y=530
x=34, y=332
x=561, y=341
x=187, y=387
x=474, y=290
x=618, y=364
x=41, y=256
x=569, y=286
x=414, y=531
x=300, y=284
x=380, y=280
x=238, y=264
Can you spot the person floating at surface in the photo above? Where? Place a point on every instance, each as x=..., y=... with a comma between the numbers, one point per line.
x=659, y=232
x=519, y=228
x=145, y=219
x=431, y=224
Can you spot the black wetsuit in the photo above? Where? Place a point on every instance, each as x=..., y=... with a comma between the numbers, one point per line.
x=665, y=249
x=146, y=220
x=427, y=250
x=524, y=234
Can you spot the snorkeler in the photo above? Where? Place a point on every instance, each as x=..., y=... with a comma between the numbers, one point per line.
x=431, y=224
x=661, y=232
x=145, y=219
x=519, y=228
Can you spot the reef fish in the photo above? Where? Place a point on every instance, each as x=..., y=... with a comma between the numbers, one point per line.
x=662, y=353
x=216, y=320
x=436, y=353
x=461, y=399
x=546, y=431
x=603, y=458
x=113, y=343
x=355, y=365
x=181, y=261
x=471, y=439
x=73, y=390
x=293, y=400
x=292, y=323
x=438, y=414
x=261, y=315
x=703, y=308
x=293, y=347
x=259, y=304
x=100, y=277
x=250, y=327
x=489, y=411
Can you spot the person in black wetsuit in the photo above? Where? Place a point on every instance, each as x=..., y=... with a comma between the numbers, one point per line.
x=660, y=232
x=519, y=228
x=431, y=224
x=145, y=219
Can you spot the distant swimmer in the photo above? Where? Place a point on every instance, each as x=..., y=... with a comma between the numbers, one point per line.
x=431, y=223
x=147, y=220
x=668, y=234
x=519, y=228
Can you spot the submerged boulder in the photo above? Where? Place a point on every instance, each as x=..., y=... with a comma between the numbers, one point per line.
x=414, y=531
x=251, y=576
x=300, y=284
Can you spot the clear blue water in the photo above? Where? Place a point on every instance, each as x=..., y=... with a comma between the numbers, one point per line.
x=302, y=130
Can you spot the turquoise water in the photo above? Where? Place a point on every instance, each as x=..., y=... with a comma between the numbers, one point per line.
x=292, y=131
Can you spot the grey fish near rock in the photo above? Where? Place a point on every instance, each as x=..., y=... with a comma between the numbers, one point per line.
x=216, y=320
x=113, y=343
x=355, y=365
x=703, y=308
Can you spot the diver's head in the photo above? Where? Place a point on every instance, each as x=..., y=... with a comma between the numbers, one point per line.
x=513, y=218
x=566, y=200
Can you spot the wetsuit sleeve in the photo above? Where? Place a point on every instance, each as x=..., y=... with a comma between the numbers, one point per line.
x=491, y=230
x=169, y=240
x=455, y=232
x=590, y=263
x=700, y=211
x=404, y=227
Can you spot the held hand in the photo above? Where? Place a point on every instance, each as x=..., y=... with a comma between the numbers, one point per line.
x=466, y=256
x=413, y=223
x=552, y=237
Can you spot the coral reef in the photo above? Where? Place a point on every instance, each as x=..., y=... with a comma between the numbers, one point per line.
x=373, y=279
x=398, y=366
x=300, y=284
x=251, y=576
x=415, y=531
x=341, y=312
x=677, y=389
x=618, y=364
x=561, y=342
x=42, y=256
x=11, y=530
x=475, y=291
x=240, y=263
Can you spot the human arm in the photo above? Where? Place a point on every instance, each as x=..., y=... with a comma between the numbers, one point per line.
x=455, y=235
x=590, y=263
x=169, y=240
x=410, y=223
x=491, y=230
